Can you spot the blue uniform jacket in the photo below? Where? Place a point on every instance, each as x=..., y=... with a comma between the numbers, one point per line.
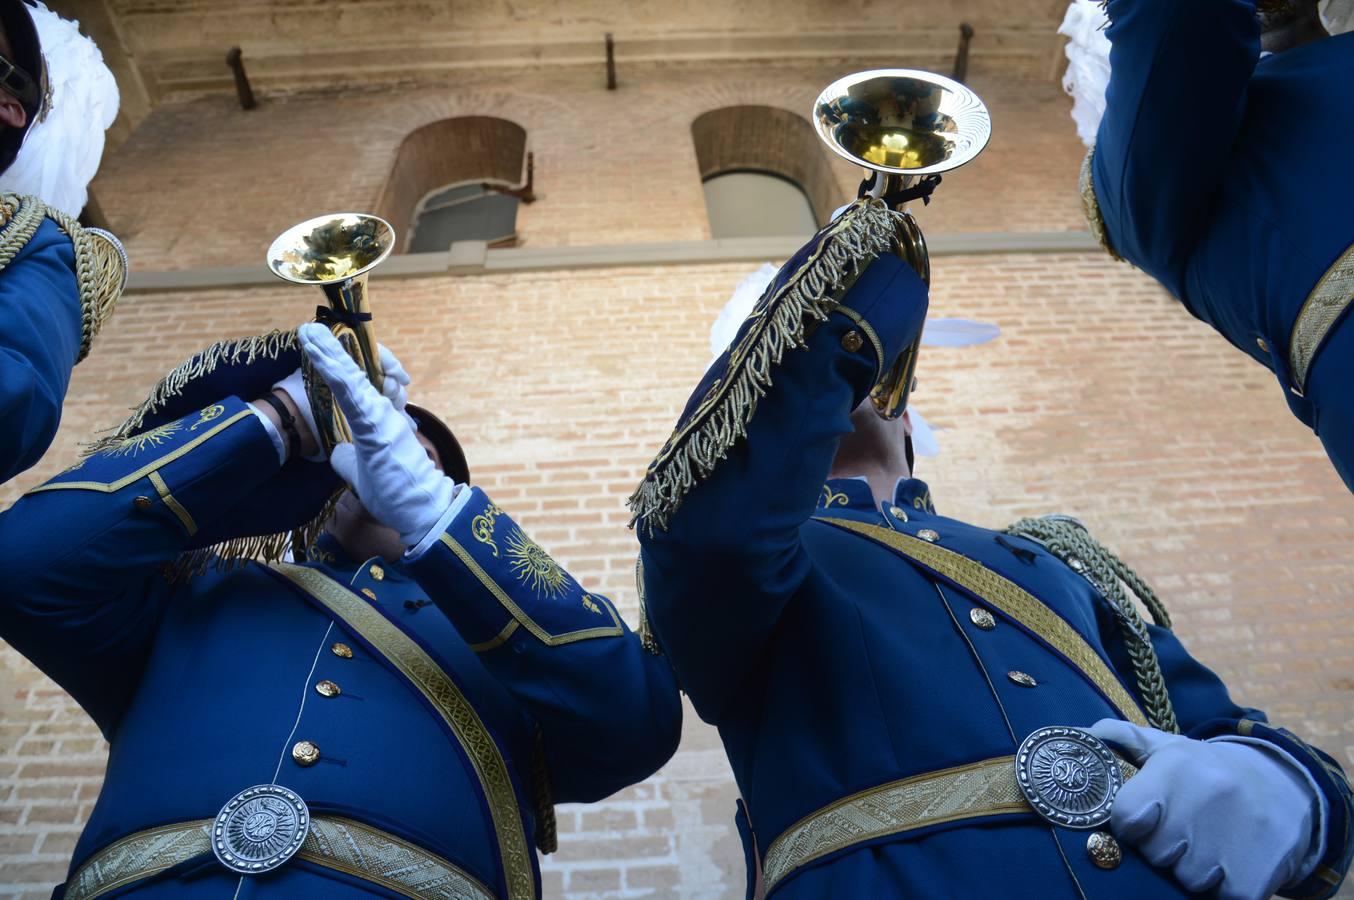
x=830, y=664
x=203, y=686
x=40, y=331
x=1226, y=176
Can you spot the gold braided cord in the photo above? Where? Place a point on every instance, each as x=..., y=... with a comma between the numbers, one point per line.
x=1068, y=540
x=867, y=230
x=100, y=262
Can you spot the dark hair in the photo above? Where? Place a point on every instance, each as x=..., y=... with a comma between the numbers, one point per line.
x=448, y=448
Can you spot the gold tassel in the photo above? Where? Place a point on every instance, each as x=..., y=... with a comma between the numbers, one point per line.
x=861, y=234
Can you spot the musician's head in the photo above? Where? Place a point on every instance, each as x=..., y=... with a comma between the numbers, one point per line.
x=20, y=97
x=876, y=449
x=361, y=535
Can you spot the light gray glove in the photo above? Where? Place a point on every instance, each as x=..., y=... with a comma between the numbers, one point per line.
x=1219, y=813
x=385, y=464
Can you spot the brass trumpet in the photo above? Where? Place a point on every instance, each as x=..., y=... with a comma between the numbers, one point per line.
x=336, y=252
x=905, y=126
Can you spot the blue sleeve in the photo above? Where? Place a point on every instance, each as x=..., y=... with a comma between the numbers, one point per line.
x=40, y=330
x=719, y=576
x=1179, y=71
x=608, y=709
x=1205, y=710
x=84, y=550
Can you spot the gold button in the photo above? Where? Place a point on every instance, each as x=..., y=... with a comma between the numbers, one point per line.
x=141, y=503
x=369, y=593
x=305, y=753
x=342, y=650
x=1076, y=564
x=928, y=535
x=852, y=341
x=1104, y=850
x=1021, y=678
x=982, y=618
x=1260, y=342
x=898, y=512
x=377, y=572
x=327, y=688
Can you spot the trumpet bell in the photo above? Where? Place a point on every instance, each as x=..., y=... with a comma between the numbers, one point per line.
x=331, y=248
x=902, y=121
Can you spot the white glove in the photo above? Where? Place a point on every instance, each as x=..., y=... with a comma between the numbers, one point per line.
x=1219, y=813
x=394, y=388
x=385, y=464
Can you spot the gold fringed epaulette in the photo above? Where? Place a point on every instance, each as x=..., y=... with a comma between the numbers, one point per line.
x=239, y=351
x=272, y=345
x=100, y=261
x=1090, y=206
x=821, y=274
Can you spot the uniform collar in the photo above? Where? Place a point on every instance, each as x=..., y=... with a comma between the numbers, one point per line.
x=329, y=553
x=854, y=494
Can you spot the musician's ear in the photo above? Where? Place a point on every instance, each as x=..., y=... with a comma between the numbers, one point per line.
x=12, y=112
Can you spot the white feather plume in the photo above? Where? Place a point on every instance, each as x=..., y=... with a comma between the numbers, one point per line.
x=1088, y=65
x=62, y=152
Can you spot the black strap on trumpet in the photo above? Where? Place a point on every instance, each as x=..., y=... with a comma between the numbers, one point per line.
x=327, y=315
x=919, y=191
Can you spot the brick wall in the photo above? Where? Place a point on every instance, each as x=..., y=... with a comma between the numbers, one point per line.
x=202, y=183
x=1102, y=399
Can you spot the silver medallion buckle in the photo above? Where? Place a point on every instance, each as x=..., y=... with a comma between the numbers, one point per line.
x=260, y=828
x=1069, y=776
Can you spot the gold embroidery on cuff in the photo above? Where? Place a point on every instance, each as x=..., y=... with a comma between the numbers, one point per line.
x=1323, y=306
x=482, y=526
x=614, y=630
x=174, y=505
x=111, y=487
x=1013, y=601
x=446, y=698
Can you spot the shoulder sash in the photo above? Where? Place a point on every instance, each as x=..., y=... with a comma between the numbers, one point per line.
x=441, y=693
x=1009, y=598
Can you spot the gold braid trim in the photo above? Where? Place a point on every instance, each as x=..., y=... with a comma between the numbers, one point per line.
x=1090, y=207
x=100, y=262
x=1069, y=540
x=226, y=554
x=235, y=352
x=861, y=234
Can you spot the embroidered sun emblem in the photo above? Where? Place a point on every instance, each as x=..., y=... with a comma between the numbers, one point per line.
x=138, y=442
x=533, y=566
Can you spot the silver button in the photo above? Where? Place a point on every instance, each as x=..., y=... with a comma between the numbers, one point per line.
x=928, y=535
x=1022, y=679
x=1104, y=850
x=982, y=618
x=898, y=512
x=1260, y=342
x=1076, y=564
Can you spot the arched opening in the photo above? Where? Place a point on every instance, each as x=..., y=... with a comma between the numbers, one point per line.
x=762, y=143
x=470, y=211
x=436, y=189
x=757, y=204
